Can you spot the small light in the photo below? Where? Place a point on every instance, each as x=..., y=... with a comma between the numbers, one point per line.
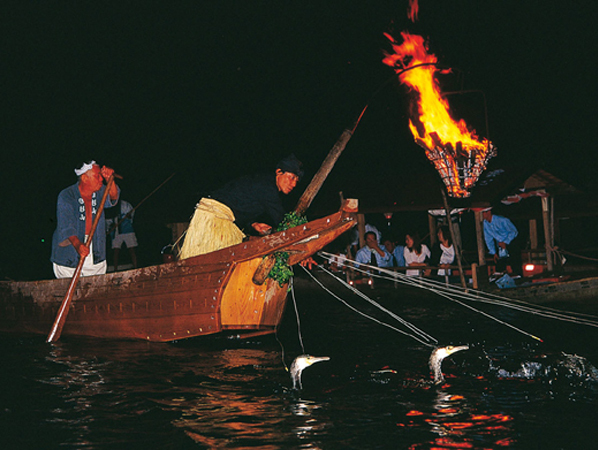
x=529, y=267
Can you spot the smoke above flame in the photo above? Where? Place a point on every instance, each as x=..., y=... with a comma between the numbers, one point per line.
x=455, y=150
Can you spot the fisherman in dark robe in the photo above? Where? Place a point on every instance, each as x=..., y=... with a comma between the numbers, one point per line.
x=241, y=205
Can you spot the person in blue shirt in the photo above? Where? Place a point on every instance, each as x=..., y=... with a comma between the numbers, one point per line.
x=355, y=236
x=120, y=228
x=501, y=239
x=397, y=257
x=76, y=209
x=372, y=253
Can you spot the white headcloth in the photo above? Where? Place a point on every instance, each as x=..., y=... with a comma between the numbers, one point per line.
x=84, y=168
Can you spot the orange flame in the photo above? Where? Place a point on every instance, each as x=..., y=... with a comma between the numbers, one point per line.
x=413, y=10
x=456, y=152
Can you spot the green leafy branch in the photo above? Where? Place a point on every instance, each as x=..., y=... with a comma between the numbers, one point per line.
x=281, y=271
x=291, y=220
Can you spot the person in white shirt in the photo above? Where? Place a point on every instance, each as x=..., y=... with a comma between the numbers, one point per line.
x=416, y=254
x=444, y=252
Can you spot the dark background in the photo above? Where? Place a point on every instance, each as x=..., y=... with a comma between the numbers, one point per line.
x=214, y=90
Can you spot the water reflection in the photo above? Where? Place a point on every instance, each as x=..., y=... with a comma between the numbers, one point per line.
x=376, y=391
x=230, y=400
x=81, y=380
x=457, y=423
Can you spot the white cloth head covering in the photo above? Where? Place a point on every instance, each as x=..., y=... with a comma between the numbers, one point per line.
x=84, y=168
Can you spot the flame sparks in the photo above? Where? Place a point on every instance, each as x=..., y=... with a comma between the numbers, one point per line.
x=457, y=153
x=413, y=10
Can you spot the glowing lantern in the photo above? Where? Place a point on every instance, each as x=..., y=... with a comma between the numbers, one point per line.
x=457, y=153
x=388, y=216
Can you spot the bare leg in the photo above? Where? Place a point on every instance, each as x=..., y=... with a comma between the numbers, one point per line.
x=133, y=256
x=116, y=252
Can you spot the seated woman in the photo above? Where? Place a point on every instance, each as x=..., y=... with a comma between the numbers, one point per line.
x=443, y=254
x=416, y=254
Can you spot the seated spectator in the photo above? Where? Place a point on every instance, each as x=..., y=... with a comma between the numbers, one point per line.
x=443, y=254
x=338, y=258
x=397, y=258
x=416, y=254
x=355, y=236
x=372, y=253
x=337, y=262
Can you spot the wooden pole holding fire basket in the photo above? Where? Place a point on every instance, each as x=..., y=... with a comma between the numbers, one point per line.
x=453, y=237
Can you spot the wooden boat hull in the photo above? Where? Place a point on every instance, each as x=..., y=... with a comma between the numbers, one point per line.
x=562, y=291
x=203, y=295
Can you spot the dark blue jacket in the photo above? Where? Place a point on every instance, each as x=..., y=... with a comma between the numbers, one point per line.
x=70, y=221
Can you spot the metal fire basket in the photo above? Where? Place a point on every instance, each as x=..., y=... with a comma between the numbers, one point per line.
x=459, y=167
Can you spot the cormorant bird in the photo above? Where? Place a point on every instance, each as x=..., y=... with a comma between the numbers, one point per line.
x=300, y=363
x=435, y=361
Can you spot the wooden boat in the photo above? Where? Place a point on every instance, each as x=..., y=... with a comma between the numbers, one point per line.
x=203, y=295
x=556, y=289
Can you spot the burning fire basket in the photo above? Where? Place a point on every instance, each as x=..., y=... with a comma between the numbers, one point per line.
x=457, y=153
x=459, y=167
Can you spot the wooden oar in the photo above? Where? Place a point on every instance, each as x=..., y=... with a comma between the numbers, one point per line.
x=66, y=301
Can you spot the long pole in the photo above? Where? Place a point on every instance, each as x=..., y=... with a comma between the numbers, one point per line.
x=318, y=179
x=262, y=271
x=117, y=222
x=56, y=330
x=453, y=237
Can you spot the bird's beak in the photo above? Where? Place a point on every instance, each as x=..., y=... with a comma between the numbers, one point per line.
x=314, y=359
x=451, y=350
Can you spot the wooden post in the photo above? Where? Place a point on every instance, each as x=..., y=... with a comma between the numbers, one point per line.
x=457, y=230
x=455, y=244
x=533, y=237
x=361, y=229
x=547, y=233
x=432, y=229
x=479, y=231
x=474, y=276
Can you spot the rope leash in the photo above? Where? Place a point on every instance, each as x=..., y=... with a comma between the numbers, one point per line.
x=459, y=295
x=426, y=339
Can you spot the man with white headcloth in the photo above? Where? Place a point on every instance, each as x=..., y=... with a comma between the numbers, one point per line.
x=76, y=210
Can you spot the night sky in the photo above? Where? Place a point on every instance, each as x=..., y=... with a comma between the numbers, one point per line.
x=214, y=90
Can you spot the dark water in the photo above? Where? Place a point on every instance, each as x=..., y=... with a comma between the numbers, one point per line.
x=506, y=391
